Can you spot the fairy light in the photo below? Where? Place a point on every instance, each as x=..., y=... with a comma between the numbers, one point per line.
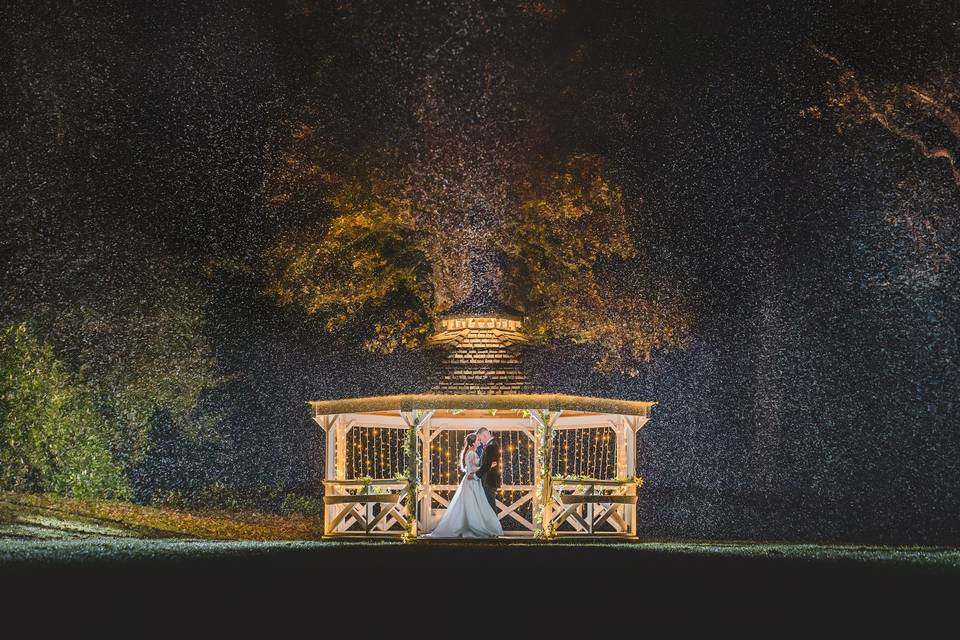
x=518, y=470
x=528, y=461
x=599, y=443
x=606, y=453
x=591, y=452
x=362, y=454
x=398, y=450
x=388, y=442
x=445, y=444
x=383, y=447
x=513, y=458
x=368, y=469
x=557, y=452
x=436, y=465
x=357, y=451
x=575, y=461
x=520, y=454
x=574, y=451
x=588, y=452
x=601, y=452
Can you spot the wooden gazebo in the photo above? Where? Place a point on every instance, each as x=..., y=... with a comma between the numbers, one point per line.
x=568, y=461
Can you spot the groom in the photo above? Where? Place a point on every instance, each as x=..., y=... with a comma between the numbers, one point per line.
x=489, y=471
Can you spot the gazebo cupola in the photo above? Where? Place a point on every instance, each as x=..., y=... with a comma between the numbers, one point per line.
x=568, y=461
x=480, y=342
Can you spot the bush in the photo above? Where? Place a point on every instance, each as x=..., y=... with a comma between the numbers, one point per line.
x=52, y=440
x=217, y=496
x=303, y=505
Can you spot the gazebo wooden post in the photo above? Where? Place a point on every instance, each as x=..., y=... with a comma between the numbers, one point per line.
x=632, y=424
x=426, y=502
x=543, y=502
x=341, y=447
x=622, y=429
x=413, y=418
x=329, y=426
x=630, y=445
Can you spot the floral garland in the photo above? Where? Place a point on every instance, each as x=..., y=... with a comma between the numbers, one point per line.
x=367, y=487
x=544, y=434
x=637, y=480
x=410, y=449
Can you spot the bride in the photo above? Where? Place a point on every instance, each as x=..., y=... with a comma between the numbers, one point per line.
x=469, y=515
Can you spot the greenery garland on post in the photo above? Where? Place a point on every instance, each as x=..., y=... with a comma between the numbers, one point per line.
x=544, y=490
x=412, y=453
x=413, y=482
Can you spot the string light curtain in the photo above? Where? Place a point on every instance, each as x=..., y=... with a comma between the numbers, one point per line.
x=588, y=452
x=377, y=452
x=374, y=452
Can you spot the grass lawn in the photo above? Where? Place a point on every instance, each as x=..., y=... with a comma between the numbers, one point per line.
x=48, y=541
x=50, y=517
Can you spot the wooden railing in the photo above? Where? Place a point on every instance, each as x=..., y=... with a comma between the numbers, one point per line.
x=364, y=507
x=595, y=507
x=580, y=507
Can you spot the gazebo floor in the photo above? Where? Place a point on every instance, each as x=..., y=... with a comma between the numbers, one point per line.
x=506, y=539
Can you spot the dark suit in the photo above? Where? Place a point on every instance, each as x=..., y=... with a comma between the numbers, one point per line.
x=488, y=473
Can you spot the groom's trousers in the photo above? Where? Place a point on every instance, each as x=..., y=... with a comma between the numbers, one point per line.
x=491, y=494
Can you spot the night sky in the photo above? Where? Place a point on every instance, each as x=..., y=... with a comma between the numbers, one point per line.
x=815, y=243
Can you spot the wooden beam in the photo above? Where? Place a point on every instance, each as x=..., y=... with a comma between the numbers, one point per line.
x=331, y=429
x=550, y=401
x=558, y=481
x=341, y=448
x=621, y=447
x=597, y=498
x=344, y=512
x=388, y=482
x=612, y=514
x=516, y=516
x=384, y=498
x=382, y=516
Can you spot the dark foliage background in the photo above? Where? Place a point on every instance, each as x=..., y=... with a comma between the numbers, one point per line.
x=817, y=398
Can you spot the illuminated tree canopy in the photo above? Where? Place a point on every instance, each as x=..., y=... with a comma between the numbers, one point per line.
x=488, y=147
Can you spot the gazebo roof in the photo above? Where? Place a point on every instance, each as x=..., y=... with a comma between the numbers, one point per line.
x=480, y=367
x=550, y=401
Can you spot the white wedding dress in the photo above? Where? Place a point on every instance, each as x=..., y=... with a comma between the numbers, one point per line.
x=469, y=514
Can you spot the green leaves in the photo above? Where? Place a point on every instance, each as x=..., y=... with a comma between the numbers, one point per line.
x=51, y=437
x=367, y=266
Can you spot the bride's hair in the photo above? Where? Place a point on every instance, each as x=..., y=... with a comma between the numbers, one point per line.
x=469, y=440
